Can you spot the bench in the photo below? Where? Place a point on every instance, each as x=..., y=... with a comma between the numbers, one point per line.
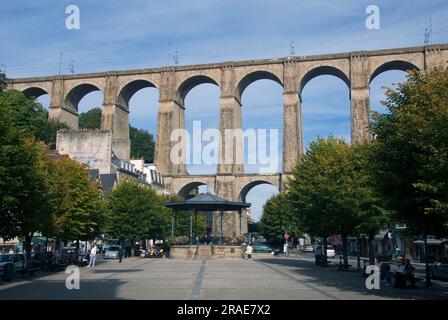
x=401, y=281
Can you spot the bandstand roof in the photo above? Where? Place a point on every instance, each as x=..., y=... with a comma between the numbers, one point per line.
x=207, y=202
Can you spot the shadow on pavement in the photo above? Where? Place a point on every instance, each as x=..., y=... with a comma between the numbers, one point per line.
x=56, y=290
x=353, y=280
x=45, y=273
x=117, y=270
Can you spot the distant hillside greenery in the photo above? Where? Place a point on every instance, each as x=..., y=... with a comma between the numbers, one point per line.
x=142, y=142
x=90, y=119
x=29, y=116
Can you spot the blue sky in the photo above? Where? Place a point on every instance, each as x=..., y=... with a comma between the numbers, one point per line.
x=134, y=34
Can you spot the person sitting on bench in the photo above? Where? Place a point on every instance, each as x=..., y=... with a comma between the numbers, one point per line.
x=405, y=273
x=409, y=273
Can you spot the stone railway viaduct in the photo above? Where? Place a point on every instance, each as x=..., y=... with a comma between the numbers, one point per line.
x=356, y=69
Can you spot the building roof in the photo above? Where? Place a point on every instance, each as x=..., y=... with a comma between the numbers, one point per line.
x=108, y=181
x=207, y=202
x=94, y=174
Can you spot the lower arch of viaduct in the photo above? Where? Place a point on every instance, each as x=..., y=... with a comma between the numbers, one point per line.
x=231, y=187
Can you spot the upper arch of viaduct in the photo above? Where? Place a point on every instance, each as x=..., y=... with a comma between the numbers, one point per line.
x=356, y=69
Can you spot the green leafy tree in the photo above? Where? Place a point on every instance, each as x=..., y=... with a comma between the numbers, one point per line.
x=27, y=115
x=331, y=191
x=308, y=189
x=34, y=208
x=90, y=119
x=142, y=144
x=12, y=167
x=25, y=206
x=47, y=133
x=30, y=117
x=136, y=213
x=39, y=194
x=10, y=170
x=373, y=214
x=2, y=82
x=279, y=218
x=253, y=226
x=410, y=154
x=78, y=204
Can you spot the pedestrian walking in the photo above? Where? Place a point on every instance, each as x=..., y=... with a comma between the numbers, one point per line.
x=120, y=254
x=92, y=256
x=285, y=249
x=249, y=251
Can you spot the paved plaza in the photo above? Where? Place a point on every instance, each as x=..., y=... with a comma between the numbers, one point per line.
x=264, y=277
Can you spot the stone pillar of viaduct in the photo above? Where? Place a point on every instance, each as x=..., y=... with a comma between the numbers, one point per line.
x=359, y=98
x=171, y=116
x=292, y=117
x=231, y=156
x=115, y=117
x=58, y=110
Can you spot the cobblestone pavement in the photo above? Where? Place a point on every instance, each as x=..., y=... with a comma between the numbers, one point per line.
x=264, y=277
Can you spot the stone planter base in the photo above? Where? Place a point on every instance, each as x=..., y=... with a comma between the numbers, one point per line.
x=207, y=252
x=182, y=252
x=225, y=252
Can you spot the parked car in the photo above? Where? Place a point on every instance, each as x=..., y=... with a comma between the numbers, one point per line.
x=331, y=253
x=112, y=252
x=264, y=248
x=308, y=248
x=439, y=270
x=11, y=263
x=106, y=246
x=45, y=260
x=39, y=261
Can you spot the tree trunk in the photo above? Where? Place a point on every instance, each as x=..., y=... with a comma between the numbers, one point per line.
x=428, y=274
x=77, y=253
x=28, y=247
x=59, y=259
x=358, y=253
x=324, y=253
x=344, y=250
x=132, y=249
x=371, y=253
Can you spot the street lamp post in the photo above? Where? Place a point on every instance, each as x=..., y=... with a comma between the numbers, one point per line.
x=241, y=222
x=172, y=222
x=191, y=227
x=428, y=274
x=220, y=237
